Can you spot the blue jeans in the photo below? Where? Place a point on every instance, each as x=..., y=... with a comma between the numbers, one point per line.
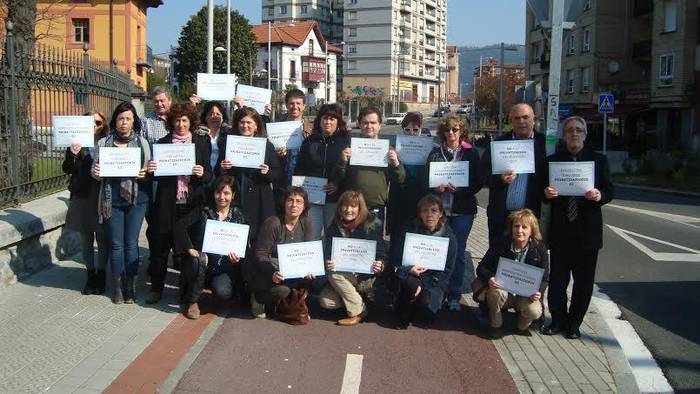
x=123, y=230
x=461, y=225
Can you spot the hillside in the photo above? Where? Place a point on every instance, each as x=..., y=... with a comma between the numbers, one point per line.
x=469, y=59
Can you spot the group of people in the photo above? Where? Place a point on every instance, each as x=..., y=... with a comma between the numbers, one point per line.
x=362, y=202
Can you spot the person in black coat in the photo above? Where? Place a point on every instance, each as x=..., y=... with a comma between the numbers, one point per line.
x=176, y=195
x=575, y=232
x=511, y=192
x=422, y=290
x=82, y=208
x=525, y=247
x=256, y=197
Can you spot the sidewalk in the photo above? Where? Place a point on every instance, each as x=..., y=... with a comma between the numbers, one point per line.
x=57, y=340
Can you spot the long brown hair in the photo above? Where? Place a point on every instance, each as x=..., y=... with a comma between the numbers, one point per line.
x=352, y=198
x=335, y=111
x=248, y=111
x=102, y=131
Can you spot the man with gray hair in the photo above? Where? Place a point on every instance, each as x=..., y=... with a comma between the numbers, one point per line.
x=153, y=123
x=575, y=231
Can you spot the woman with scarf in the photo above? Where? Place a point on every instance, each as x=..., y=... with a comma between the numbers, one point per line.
x=83, y=194
x=459, y=203
x=347, y=289
x=422, y=290
x=176, y=196
x=256, y=198
x=122, y=202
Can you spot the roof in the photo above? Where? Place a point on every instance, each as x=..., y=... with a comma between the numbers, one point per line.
x=290, y=33
x=152, y=3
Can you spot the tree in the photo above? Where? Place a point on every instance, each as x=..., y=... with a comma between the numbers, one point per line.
x=487, y=92
x=192, y=51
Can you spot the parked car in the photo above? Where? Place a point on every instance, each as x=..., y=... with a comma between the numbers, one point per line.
x=396, y=118
x=441, y=111
x=464, y=109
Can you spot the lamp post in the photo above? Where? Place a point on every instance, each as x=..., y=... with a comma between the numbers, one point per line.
x=210, y=36
x=328, y=90
x=220, y=49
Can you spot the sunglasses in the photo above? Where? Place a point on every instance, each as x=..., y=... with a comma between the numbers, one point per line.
x=410, y=129
x=453, y=130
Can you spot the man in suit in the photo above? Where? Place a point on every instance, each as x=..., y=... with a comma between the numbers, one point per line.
x=512, y=192
x=575, y=233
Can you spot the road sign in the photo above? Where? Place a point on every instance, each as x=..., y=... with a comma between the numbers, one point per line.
x=606, y=103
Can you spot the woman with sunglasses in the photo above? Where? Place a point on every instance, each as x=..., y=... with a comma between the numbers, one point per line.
x=83, y=194
x=459, y=203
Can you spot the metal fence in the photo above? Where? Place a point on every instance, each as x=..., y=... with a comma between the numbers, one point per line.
x=36, y=83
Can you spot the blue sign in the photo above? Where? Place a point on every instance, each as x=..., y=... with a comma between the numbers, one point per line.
x=606, y=103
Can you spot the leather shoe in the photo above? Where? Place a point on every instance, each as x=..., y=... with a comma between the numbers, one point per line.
x=573, y=333
x=354, y=320
x=554, y=328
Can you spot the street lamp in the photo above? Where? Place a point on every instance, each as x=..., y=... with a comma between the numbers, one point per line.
x=328, y=90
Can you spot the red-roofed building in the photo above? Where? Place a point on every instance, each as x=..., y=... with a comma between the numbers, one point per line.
x=298, y=58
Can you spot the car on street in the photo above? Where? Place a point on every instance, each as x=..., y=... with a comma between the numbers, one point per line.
x=396, y=118
x=441, y=111
x=464, y=109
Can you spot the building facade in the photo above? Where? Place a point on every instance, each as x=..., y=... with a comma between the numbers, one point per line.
x=327, y=13
x=642, y=51
x=395, y=47
x=298, y=57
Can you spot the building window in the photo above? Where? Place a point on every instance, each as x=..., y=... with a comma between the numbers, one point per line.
x=352, y=49
x=352, y=15
x=670, y=11
x=585, y=79
x=570, y=82
x=536, y=52
x=283, y=9
x=352, y=64
x=352, y=32
x=572, y=44
x=271, y=11
x=353, y=1
x=292, y=69
x=311, y=47
x=666, y=69
x=304, y=9
x=81, y=30
x=586, y=41
x=586, y=5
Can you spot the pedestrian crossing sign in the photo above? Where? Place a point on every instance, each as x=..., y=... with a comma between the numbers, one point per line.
x=606, y=103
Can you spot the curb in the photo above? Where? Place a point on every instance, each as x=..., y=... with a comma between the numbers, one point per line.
x=680, y=193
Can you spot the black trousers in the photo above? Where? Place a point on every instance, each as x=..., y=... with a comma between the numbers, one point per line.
x=192, y=277
x=408, y=307
x=580, y=264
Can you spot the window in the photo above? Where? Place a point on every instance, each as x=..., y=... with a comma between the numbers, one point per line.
x=304, y=9
x=586, y=41
x=572, y=44
x=283, y=9
x=81, y=30
x=271, y=11
x=666, y=69
x=586, y=5
x=585, y=79
x=352, y=64
x=353, y=1
x=311, y=47
x=352, y=32
x=352, y=15
x=570, y=82
x=670, y=10
x=292, y=69
x=352, y=49
x=536, y=52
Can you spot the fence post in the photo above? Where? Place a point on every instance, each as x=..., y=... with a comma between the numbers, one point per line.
x=86, y=73
x=12, y=112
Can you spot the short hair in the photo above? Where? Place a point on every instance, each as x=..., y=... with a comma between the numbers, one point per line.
x=125, y=106
x=298, y=191
x=368, y=111
x=158, y=90
x=428, y=200
x=220, y=183
x=179, y=110
x=294, y=93
x=333, y=110
x=351, y=197
x=525, y=105
x=528, y=217
x=104, y=129
x=207, y=109
x=451, y=120
x=249, y=111
x=412, y=117
x=572, y=119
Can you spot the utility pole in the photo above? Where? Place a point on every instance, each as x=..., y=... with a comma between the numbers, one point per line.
x=210, y=36
x=554, y=75
x=269, y=54
x=500, y=90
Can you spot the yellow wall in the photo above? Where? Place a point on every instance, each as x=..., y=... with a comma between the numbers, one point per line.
x=54, y=27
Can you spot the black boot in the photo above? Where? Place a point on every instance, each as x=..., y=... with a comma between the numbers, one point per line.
x=101, y=278
x=90, y=283
x=130, y=289
x=118, y=297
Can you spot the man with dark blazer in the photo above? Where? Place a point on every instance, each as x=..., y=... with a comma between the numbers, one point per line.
x=575, y=233
x=511, y=192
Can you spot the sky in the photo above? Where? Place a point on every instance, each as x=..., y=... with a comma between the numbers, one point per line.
x=469, y=22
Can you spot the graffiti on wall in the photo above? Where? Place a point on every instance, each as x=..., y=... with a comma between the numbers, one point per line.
x=367, y=91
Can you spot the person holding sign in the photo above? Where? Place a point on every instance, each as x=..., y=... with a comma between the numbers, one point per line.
x=526, y=247
x=82, y=208
x=214, y=124
x=295, y=101
x=122, y=201
x=422, y=289
x=346, y=289
x=267, y=283
x=575, y=232
x=177, y=195
x=223, y=273
x=510, y=192
x=372, y=182
x=459, y=203
x=317, y=157
x=256, y=198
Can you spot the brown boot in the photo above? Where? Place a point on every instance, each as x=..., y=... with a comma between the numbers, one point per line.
x=191, y=311
x=353, y=320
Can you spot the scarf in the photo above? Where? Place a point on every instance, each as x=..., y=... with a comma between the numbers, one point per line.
x=347, y=227
x=183, y=181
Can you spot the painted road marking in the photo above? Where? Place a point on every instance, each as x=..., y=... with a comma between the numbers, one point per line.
x=693, y=257
x=352, y=375
x=687, y=220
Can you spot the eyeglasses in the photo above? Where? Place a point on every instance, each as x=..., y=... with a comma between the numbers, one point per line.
x=575, y=129
x=453, y=130
x=415, y=130
x=98, y=123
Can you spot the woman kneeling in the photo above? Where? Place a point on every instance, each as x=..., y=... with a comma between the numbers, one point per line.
x=526, y=247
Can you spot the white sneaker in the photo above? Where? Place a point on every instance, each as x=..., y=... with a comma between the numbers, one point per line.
x=454, y=305
x=257, y=309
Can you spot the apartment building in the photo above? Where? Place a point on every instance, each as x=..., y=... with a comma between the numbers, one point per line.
x=327, y=13
x=395, y=47
x=642, y=51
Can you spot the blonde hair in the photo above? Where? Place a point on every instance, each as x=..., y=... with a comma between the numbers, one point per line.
x=352, y=198
x=527, y=217
x=453, y=120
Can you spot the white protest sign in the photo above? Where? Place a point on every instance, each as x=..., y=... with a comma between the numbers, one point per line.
x=425, y=251
x=353, y=255
x=246, y=152
x=369, y=152
x=572, y=178
x=516, y=156
x=119, y=162
x=297, y=260
x=288, y=135
x=174, y=159
x=223, y=238
x=216, y=86
x=521, y=279
x=254, y=97
x=445, y=172
x=413, y=150
x=69, y=130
